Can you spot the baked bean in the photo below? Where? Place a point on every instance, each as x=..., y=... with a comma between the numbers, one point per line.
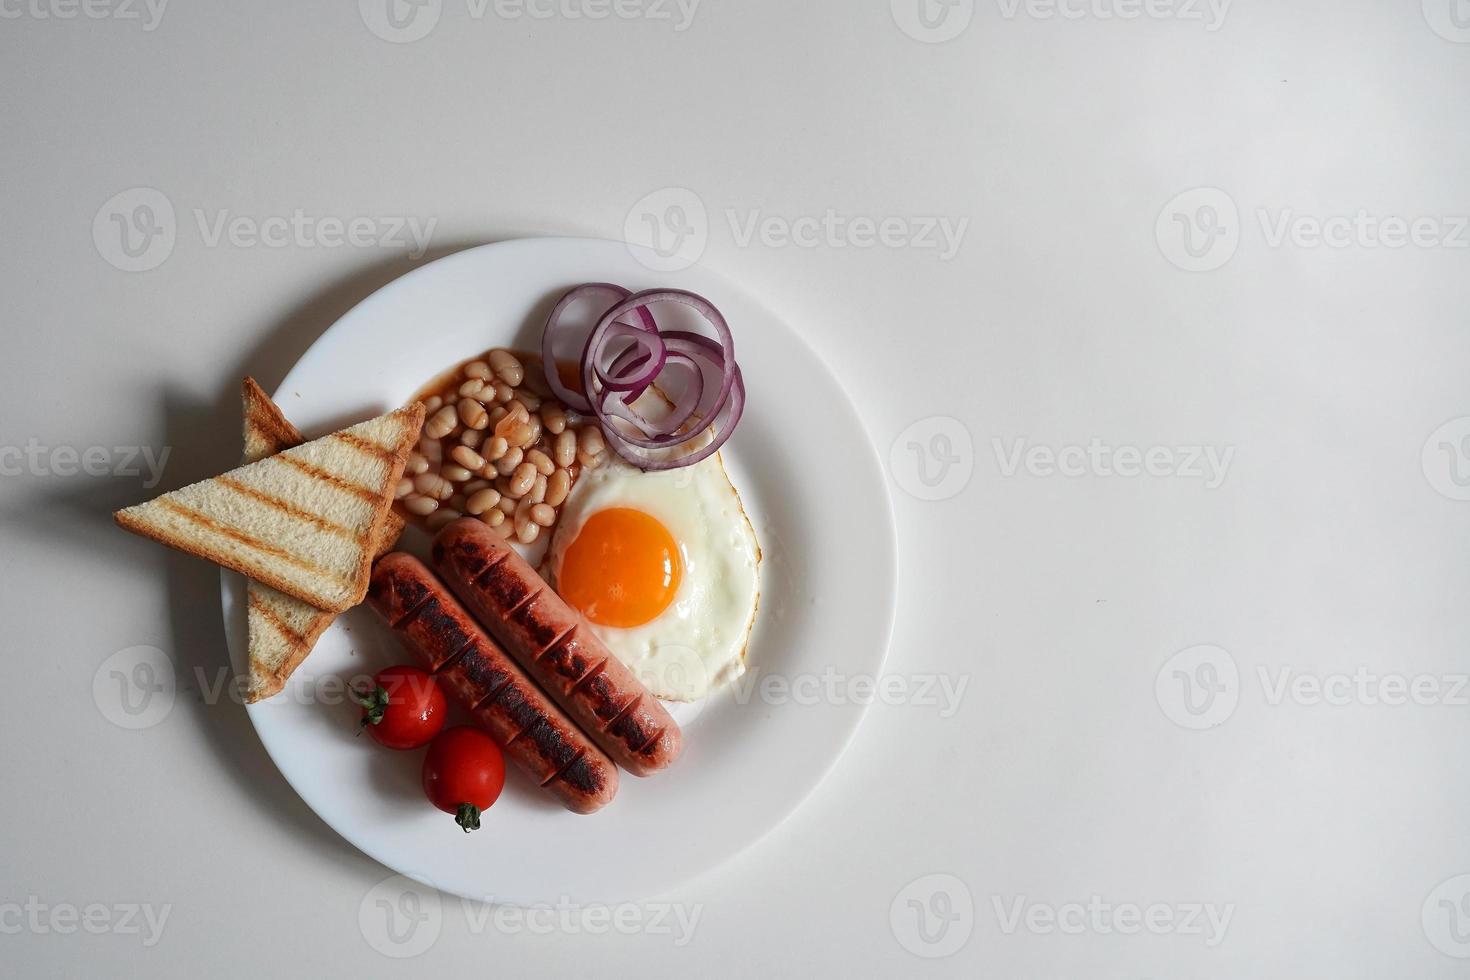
x=432, y=403
x=507, y=464
x=478, y=370
x=541, y=461
x=472, y=413
x=557, y=486
x=565, y=448
x=538, y=489
x=507, y=367
x=504, y=393
x=521, y=435
x=505, y=529
x=471, y=438
x=417, y=464
x=468, y=458
x=482, y=501
x=433, y=485
x=419, y=505
x=590, y=440
x=543, y=514
x=554, y=417
x=455, y=473
x=442, y=423
x=507, y=505
x=534, y=424
x=495, y=448
x=432, y=450
x=527, y=531
x=532, y=402
x=474, y=487
x=589, y=461
x=494, y=517
x=442, y=517
x=522, y=479
x=405, y=487
x=471, y=388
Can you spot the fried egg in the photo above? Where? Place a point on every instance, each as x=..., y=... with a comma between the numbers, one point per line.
x=665, y=567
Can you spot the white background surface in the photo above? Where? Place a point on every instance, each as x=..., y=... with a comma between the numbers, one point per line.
x=1322, y=829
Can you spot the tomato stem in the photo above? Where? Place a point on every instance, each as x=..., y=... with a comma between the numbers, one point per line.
x=468, y=817
x=374, y=703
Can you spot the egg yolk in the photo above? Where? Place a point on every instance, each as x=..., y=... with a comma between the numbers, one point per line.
x=622, y=570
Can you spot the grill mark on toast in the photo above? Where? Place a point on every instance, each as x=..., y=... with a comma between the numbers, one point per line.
x=364, y=446
x=277, y=622
x=213, y=525
x=276, y=503
x=317, y=473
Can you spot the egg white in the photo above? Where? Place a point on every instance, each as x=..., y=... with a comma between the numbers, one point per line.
x=698, y=643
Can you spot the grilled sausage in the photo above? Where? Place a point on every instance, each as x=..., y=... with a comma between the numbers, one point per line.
x=556, y=646
x=472, y=668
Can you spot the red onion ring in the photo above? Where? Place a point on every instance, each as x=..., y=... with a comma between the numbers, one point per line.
x=611, y=382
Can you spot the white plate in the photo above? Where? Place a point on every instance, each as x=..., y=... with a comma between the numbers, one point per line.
x=816, y=494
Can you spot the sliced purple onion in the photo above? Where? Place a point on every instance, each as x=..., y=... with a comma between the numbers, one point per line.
x=614, y=377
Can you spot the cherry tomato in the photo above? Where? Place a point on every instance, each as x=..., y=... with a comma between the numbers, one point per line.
x=463, y=774
x=404, y=709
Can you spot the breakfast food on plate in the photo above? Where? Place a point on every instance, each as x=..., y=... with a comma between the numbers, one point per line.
x=305, y=521
x=283, y=629
x=403, y=709
x=496, y=446
x=665, y=567
x=464, y=773
x=478, y=675
x=554, y=644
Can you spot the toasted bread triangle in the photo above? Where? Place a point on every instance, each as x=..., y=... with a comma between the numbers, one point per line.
x=283, y=629
x=304, y=521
